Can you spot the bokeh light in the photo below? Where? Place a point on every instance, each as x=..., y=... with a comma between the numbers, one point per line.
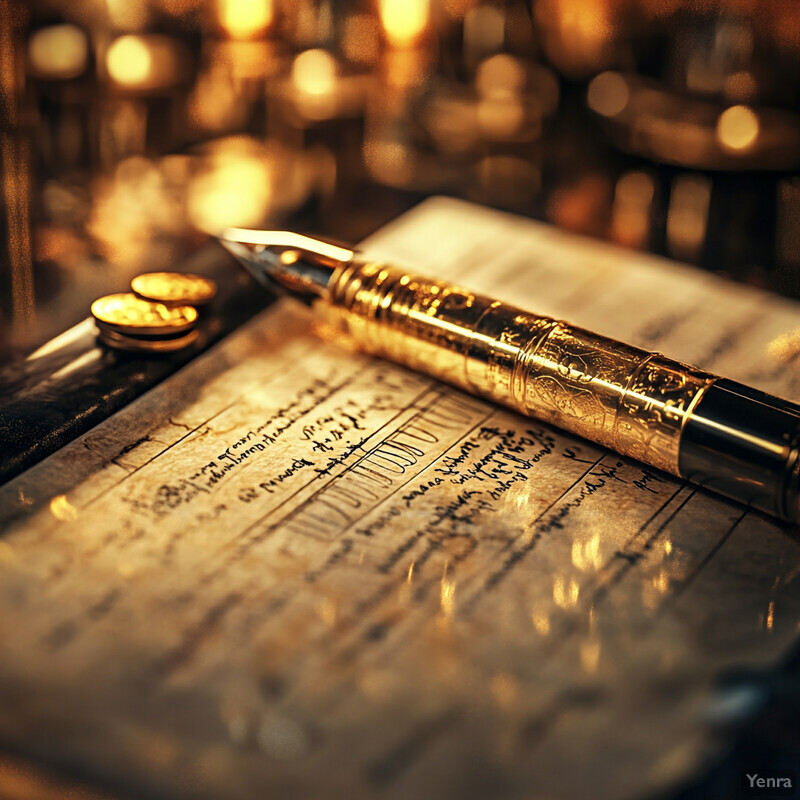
x=737, y=128
x=58, y=51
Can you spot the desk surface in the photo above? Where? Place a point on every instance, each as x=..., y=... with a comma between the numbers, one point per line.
x=502, y=678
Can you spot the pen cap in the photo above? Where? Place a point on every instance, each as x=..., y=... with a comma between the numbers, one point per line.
x=743, y=443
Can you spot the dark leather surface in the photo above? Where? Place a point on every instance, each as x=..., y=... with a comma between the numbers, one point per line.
x=48, y=401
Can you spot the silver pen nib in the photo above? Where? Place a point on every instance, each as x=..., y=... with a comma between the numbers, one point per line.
x=300, y=264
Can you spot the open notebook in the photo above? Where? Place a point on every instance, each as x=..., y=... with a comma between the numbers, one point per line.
x=294, y=571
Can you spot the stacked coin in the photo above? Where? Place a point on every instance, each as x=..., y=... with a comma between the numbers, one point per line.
x=159, y=318
x=174, y=289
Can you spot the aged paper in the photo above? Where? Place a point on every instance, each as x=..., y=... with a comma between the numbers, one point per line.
x=294, y=571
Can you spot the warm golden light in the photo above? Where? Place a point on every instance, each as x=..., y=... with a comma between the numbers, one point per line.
x=737, y=128
x=500, y=119
x=289, y=257
x=687, y=217
x=633, y=200
x=404, y=20
x=654, y=589
x=133, y=206
x=129, y=61
x=590, y=655
x=565, y=593
x=214, y=103
x=245, y=19
x=389, y=162
x=62, y=509
x=588, y=20
x=608, y=94
x=314, y=72
x=288, y=239
x=235, y=190
x=786, y=346
x=580, y=33
x=586, y=554
x=541, y=622
x=447, y=597
x=58, y=51
x=146, y=61
x=500, y=76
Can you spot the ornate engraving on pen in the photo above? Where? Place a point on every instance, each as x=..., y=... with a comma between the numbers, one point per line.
x=619, y=396
x=658, y=399
x=575, y=379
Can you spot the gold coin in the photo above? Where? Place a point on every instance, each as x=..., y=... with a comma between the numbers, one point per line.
x=127, y=313
x=174, y=288
x=141, y=344
x=134, y=334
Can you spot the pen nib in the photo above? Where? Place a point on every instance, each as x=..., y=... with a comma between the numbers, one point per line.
x=300, y=264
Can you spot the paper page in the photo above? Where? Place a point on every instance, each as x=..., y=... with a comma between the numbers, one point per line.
x=294, y=571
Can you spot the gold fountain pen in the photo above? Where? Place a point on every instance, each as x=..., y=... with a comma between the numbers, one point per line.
x=715, y=432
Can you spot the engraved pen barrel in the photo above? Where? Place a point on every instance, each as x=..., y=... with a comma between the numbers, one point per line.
x=729, y=437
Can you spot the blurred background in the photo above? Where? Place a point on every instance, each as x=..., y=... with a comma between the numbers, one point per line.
x=132, y=130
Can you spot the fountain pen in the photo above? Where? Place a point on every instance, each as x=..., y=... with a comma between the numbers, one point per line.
x=715, y=432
